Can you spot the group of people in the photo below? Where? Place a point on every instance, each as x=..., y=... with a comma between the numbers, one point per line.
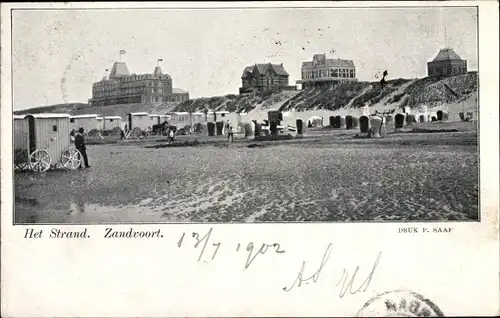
x=78, y=138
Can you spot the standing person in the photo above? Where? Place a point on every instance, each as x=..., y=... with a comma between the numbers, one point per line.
x=171, y=135
x=80, y=146
x=230, y=133
x=122, y=134
x=72, y=136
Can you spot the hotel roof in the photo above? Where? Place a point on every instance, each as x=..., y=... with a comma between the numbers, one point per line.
x=262, y=68
x=332, y=62
x=446, y=55
x=119, y=69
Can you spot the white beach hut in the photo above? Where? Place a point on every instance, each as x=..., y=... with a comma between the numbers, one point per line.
x=154, y=119
x=110, y=122
x=87, y=122
x=21, y=139
x=179, y=119
x=100, y=123
x=47, y=142
x=138, y=120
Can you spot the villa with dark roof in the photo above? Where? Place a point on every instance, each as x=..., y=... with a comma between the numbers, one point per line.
x=447, y=63
x=264, y=77
x=322, y=71
x=121, y=87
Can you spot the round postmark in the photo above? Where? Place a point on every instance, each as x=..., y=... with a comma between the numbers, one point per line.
x=399, y=303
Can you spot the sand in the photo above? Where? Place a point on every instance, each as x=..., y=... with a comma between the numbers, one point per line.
x=327, y=176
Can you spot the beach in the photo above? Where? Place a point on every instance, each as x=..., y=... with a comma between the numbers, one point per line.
x=328, y=176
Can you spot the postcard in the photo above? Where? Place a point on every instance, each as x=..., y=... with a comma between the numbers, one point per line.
x=250, y=159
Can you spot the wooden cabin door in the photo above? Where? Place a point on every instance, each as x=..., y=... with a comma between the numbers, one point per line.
x=32, y=134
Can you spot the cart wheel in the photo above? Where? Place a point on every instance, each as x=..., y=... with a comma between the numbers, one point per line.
x=40, y=160
x=71, y=158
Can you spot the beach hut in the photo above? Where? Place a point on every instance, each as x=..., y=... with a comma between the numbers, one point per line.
x=21, y=139
x=336, y=122
x=219, y=128
x=100, y=123
x=257, y=128
x=364, y=124
x=211, y=128
x=138, y=120
x=198, y=117
x=249, y=129
x=48, y=142
x=111, y=122
x=339, y=121
x=376, y=123
x=399, y=121
x=351, y=122
x=179, y=119
x=442, y=115
x=331, y=121
x=299, y=125
x=154, y=119
x=411, y=119
x=87, y=122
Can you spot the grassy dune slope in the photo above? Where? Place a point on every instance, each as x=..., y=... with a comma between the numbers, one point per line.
x=342, y=97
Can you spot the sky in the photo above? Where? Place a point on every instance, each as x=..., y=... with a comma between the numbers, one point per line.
x=205, y=51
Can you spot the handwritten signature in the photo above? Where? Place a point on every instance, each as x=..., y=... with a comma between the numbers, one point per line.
x=346, y=281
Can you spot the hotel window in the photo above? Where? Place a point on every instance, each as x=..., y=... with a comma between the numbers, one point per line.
x=335, y=73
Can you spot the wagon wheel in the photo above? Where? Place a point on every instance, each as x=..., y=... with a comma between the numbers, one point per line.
x=40, y=160
x=71, y=158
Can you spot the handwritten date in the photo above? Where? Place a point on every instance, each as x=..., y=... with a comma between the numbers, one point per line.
x=250, y=247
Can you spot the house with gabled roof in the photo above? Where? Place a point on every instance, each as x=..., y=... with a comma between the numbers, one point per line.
x=264, y=77
x=447, y=63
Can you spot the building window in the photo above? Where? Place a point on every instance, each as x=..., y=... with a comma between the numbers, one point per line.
x=54, y=128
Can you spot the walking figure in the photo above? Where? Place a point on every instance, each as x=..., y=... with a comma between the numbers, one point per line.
x=230, y=133
x=80, y=146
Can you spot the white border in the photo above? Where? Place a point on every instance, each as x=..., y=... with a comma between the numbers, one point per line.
x=98, y=277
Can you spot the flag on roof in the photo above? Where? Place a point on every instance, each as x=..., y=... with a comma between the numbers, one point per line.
x=122, y=52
